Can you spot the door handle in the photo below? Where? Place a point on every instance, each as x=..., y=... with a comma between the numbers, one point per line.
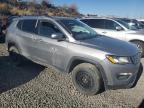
x=53, y=50
x=104, y=32
x=34, y=39
x=39, y=40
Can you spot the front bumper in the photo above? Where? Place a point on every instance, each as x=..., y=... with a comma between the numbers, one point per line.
x=121, y=76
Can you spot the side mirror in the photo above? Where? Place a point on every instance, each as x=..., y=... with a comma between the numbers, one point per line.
x=118, y=28
x=58, y=36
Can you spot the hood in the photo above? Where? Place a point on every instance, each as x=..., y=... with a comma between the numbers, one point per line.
x=110, y=45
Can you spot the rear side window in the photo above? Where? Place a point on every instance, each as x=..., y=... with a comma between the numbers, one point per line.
x=47, y=29
x=94, y=23
x=29, y=26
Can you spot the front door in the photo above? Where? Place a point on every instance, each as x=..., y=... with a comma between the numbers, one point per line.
x=50, y=51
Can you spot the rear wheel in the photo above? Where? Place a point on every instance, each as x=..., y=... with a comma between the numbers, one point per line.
x=15, y=55
x=140, y=46
x=87, y=79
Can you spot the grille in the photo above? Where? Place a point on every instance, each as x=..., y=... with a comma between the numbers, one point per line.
x=136, y=58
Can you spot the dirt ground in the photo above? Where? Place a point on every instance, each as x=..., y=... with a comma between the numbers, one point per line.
x=34, y=86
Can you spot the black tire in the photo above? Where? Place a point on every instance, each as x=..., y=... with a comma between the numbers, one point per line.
x=140, y=46
x=87, y=79
x=15, y=56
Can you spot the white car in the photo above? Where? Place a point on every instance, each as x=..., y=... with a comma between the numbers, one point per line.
x=133, y=22
x=116, y=28
x=141, y=20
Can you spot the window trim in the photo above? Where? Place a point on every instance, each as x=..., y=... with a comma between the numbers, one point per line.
x=94, y=19
x=18, y=23
x=28, y=31
x=49, y=21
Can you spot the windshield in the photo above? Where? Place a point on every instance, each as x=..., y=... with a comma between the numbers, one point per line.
x=127, y=25
x=142, y=22
x=141, y=25
x=77, y=29
x=135, y=23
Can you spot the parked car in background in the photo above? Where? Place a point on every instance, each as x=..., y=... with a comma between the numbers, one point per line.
x=133, y=23
x=0, y=27
x=3, y=28
x=71, y=46
x=141, y=20
x=4, y=23
x=117, y=28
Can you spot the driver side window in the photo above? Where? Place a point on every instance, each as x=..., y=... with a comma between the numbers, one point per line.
x=46, y=29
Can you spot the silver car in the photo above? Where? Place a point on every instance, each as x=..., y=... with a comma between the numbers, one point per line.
x=117, y=28
x=95, y=61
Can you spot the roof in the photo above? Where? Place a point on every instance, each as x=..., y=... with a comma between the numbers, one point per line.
x=44, y=17
x=110, y=18
x=97, y=18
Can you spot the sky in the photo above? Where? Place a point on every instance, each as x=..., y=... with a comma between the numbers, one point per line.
x=121, y=8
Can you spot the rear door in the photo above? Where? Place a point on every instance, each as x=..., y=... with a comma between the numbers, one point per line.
x=26, y=33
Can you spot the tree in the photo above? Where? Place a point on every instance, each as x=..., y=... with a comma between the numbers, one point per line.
x=46, y=3
x=73, y=8
x=34, y=1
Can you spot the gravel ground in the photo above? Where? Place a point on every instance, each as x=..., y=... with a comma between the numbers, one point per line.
x=33, y=86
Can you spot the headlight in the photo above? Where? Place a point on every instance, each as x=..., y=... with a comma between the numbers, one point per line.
x=118, y=59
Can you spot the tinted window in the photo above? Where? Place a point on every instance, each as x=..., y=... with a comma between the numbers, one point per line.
x=19, y=25
x=29, y=26
x=126, y=25
x=47, y=28
x=142, y=22
x=110, y=25
x=95, y=23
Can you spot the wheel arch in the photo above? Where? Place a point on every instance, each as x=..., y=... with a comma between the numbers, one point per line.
x=11, y=43
x=78, y=60
x=136, y=40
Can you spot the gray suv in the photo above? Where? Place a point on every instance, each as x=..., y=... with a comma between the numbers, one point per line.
x=69, y=45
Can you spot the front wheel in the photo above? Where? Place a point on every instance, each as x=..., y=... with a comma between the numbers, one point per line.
x=140, y=46
x=87, y=79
